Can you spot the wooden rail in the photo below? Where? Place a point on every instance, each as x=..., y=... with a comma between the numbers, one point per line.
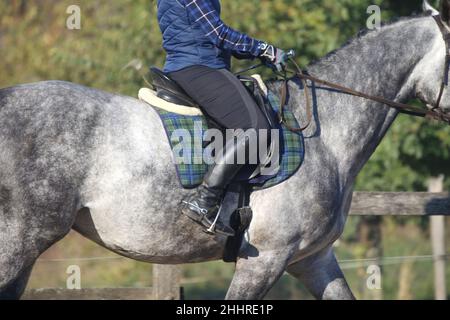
x=166, y=286
x=400, y=204
x=89, y=294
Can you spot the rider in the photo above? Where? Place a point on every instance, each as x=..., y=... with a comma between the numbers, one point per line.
x=199, y=47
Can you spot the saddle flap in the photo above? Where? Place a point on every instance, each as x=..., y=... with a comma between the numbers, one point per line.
x=258, y=91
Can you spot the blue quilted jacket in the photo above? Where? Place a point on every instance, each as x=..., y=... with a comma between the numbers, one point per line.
x=185, y=42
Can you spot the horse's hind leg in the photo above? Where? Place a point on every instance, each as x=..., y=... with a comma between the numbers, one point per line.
x=21, y=244
x=15, y=288
x=323, y=277
x=17, y=258
x=24, y=235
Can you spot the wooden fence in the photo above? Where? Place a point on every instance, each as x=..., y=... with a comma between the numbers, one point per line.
x=401, y=203
x=166, y=286
x=166, y=279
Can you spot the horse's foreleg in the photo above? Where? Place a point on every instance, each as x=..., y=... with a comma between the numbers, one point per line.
x=323, y=277
x=255, y=275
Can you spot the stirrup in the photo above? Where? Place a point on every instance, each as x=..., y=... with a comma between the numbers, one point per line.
x=202, y=219
x=212, y=228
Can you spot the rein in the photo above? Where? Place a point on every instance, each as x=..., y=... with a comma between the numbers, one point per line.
x=434, y=113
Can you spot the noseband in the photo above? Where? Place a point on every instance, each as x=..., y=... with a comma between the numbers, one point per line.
x=434, y=113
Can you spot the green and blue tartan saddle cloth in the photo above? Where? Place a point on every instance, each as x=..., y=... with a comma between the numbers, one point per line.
x=193, y=166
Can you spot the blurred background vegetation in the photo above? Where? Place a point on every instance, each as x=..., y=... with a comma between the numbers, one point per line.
x=120, y=38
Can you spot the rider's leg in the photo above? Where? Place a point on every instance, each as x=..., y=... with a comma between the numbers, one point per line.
x=223, y=98
x=205, y=204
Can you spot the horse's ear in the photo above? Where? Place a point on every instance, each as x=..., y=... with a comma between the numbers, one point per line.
x=445, y=11
x=427, y=8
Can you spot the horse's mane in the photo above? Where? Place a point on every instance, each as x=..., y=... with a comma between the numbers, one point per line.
x=274, y=83
x=365, y=31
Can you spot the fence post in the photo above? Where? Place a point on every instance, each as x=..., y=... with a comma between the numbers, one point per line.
x=437, y=230
x=369, y=234
x=166, y=282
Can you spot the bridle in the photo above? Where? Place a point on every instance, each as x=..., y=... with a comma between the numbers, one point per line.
x=434, y=113
x=446, y=36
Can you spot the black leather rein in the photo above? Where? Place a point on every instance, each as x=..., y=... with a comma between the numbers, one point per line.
x=434, y=113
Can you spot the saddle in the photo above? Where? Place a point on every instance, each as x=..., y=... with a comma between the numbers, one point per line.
x=178, y=110
x=168, y=95
x=169, y=90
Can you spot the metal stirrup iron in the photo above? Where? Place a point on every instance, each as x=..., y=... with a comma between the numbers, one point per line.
x=211, y=230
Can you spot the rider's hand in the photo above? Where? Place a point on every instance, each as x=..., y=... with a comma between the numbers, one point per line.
x=273, y=57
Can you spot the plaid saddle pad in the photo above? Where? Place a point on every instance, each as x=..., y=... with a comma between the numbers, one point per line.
x=193, y=166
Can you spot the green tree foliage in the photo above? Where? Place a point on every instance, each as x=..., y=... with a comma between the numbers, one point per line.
x=36, y=44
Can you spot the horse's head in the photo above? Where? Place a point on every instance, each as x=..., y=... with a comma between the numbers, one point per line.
x=432, y=73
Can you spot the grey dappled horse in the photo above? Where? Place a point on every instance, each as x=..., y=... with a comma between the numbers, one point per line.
x=77, y=158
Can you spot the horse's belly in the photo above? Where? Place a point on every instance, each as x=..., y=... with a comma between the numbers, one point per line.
x=156, y=239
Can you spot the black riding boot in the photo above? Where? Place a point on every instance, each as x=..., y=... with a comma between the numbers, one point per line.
x=204, y=206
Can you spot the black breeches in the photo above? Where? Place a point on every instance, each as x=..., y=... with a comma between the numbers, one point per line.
x=222, y=97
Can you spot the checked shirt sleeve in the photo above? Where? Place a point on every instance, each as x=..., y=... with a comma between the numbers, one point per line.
x=224, y=37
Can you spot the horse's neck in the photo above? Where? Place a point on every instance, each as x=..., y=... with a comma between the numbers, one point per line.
x=379, y=63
